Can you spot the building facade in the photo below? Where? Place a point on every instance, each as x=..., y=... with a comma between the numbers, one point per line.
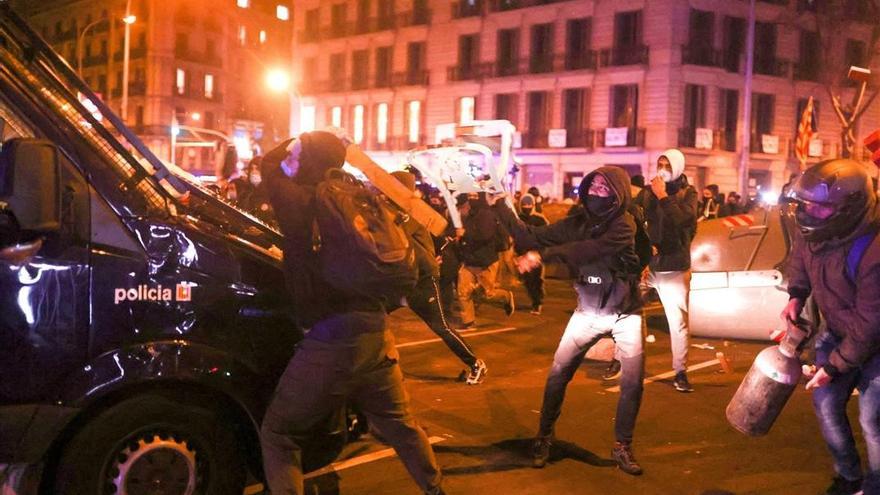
x=199, y=64
x=586, y=82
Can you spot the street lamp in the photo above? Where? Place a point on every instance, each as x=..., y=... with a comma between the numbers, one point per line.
x=128, y=20
x=279, y=81
x=79, y=43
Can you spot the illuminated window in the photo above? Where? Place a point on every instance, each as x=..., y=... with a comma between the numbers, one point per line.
x=382, y=123
x=466, y=108
x=242, y=35
x=307, y=118
x=209, y=85
x=282, y=12
x=358, y=131
x=262, y=37
x=414, y=121
x=336, y=116
x=243, y=3
x=180, y=81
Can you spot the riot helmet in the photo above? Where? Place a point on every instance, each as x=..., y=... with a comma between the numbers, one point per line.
x=832, y=198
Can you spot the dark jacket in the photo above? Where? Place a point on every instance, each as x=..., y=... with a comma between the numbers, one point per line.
x=479, y=245
x=582, y=239
x=851, y=310
x=423, y=245
x=672, y=223
x=294, y=203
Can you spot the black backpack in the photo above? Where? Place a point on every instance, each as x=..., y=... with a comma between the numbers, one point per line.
x=361, y=244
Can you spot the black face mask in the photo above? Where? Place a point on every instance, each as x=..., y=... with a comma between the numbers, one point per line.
x=526, y=211
x=475, y=203
x=600, y=206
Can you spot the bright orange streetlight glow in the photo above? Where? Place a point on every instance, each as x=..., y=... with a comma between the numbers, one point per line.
x=278, y=80
x=129, y=19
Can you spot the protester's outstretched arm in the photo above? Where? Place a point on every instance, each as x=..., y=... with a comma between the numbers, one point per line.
x=566, y=240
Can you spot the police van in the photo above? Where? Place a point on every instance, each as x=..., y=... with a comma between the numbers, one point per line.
x=143, y=321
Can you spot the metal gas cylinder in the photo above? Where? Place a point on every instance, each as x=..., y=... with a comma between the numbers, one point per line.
x=765, y=389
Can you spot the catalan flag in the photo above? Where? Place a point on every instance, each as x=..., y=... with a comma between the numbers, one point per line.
x=805, y=134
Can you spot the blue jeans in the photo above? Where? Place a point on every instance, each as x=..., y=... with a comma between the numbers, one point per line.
x=830, y=404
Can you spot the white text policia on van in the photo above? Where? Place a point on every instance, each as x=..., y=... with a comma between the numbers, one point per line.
x=144, y=292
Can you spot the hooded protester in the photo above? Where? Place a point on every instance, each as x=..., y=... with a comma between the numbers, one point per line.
x=671, y=211
x=534, y=279
x=598, y=244
x=478, y=251
x=836, y=259
x=348, y=353
x=425, y=300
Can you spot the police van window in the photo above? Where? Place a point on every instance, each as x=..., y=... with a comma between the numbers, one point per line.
x=12, y=126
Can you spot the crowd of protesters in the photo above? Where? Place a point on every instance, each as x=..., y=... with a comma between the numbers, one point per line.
x=620, y=239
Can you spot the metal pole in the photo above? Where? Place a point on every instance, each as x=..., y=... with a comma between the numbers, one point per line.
x=79, y=43
x=125, y=59
x=747, y=106
x=175, y=128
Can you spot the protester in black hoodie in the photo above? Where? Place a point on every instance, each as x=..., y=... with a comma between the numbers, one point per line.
x=425, y=300
x=598, y=244
x=478, y=251
x=348, y=353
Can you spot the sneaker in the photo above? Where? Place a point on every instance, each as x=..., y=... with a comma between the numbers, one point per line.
x=843, y=486
x=681, y=382
x=466, y=327
x=475, y=374
x=536, y=309
x=510, y=305
x=612, y=372
x=626, y=461
x=541, y=451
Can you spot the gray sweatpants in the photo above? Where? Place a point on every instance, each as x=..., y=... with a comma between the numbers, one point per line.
x=348, y=357
x=674, y=291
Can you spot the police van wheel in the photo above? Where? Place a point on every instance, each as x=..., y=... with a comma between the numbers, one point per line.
x=148, y=445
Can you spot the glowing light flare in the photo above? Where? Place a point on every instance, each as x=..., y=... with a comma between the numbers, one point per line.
x=129, y=19
x=278, y=80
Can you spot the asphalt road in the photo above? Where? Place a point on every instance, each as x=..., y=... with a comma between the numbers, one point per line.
x=483, y=432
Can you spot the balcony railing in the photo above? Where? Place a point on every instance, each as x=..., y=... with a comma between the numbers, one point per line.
x=504, y=5
x=95, y=60
x=586, y=60
x=757, y=145
x=722, y=140
x=580, y=138
x=467, y=8
x=635, y=137
x=383, y=80
x=541, y=64
x=771, y=66
x=623, y=55
x=806, y=71
x=135, y=52
x=410, y=78
x=536, y=139
x=199, y=58
x=467, y=73
x=701, y=54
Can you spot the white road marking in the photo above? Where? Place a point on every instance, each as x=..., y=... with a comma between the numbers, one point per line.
x=341, y=465
x=463, y=334
x=670, y=374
